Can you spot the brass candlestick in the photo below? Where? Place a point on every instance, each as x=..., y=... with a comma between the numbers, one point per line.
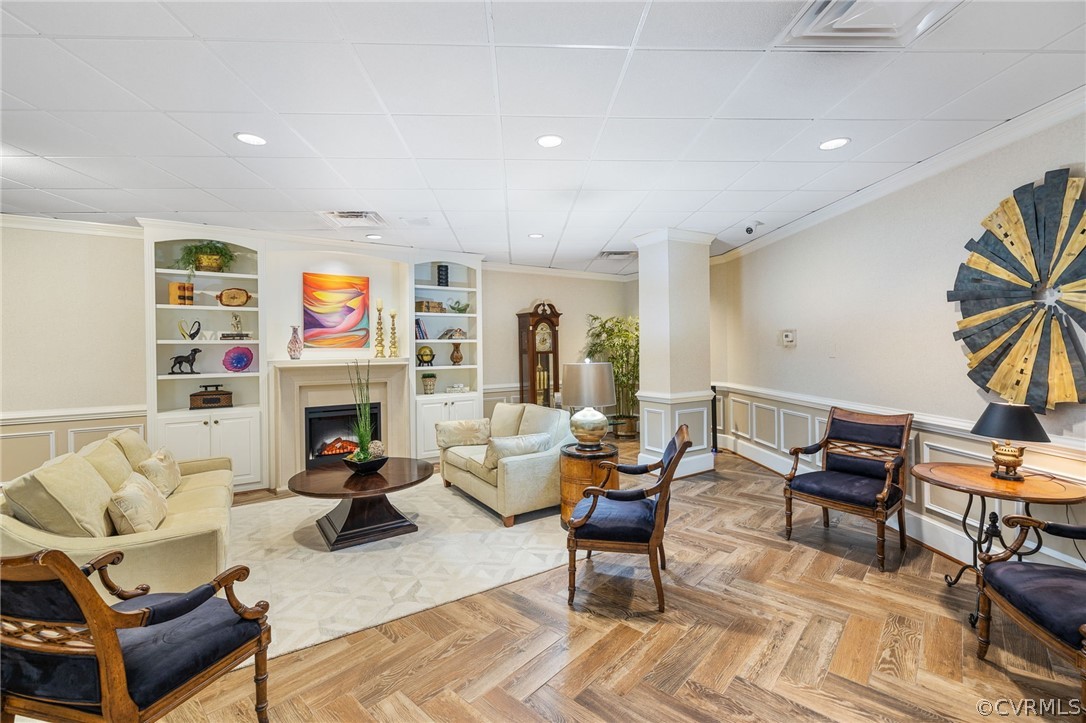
x=393, y=349
x=379, y=342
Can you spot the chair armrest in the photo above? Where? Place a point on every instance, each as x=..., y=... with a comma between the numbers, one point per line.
x=177, y=606
x=1073, y=532
x=809, y=449
x=462, y=432
x=632, y=468
x=211, y=464
x=894, y=464
x=225, y=581
x=1025, y=524
x=99, y=565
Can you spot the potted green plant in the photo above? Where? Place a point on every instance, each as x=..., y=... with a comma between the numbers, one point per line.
x=617, y=339
x=206, y=255
x=370, y=455
x=429, y=382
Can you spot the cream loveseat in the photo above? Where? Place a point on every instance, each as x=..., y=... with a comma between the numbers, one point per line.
x=62, y=506
x=508, y=462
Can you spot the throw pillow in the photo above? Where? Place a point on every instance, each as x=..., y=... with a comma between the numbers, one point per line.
x=133, y=445
x=67, y=497
x=137, y=506
x=463, y=431
x=162, y=470
x=106, y=456
x=501, y=447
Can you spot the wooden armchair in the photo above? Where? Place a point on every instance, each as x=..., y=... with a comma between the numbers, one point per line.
x=1047, y=601
x=630, y=520
x=863, y=458
x=68, y=656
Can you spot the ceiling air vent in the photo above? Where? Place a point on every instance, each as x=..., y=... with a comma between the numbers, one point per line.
x=354, y=219
x=617, y=255
x=863, y=24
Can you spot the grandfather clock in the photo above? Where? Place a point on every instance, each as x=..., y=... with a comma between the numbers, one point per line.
x=538, y=337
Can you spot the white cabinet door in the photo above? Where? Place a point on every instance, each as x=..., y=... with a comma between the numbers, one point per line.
x=428, y=412
x=187, y=437
x=463, y=409
x=236, y=434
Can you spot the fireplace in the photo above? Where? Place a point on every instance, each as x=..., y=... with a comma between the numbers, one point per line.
x=329, y=434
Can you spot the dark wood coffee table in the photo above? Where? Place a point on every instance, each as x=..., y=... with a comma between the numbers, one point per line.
x=365, y=514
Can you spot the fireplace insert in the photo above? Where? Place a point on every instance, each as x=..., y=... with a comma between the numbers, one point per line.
x=329, y=434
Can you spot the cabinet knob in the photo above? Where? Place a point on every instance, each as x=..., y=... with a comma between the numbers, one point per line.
x=205, y=422
x=216, y=421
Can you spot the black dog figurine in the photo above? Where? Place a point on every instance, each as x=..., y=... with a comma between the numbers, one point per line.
x=179, y=362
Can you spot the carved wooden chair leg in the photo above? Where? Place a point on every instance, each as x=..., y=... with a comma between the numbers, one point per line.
x=654, y=566
x=663, y=557
x=260, y=677
x=825, y=517
x=508, y=521
x=984, y=624
x=787, y=516
x=572, y=575
x=880, y=543
x=901, y=526
x=589, y=555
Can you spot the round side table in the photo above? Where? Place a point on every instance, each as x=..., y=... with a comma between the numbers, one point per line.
x=580, y=468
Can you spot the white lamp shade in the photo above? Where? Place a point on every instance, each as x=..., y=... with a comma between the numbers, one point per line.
x=591, y=384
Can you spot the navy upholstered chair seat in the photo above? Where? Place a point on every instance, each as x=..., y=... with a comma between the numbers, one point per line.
x=1052, y=596
x=616, y=521
x=850, y=489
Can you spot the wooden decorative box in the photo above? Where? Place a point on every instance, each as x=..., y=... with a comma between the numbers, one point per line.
x=212, y=397
x=430, y=306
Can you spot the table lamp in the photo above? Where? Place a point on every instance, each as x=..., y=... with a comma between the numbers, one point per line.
x=588, y=385
x=1007, y=422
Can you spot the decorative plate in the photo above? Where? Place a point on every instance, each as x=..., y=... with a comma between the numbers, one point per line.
x=1023, y=292
x=237, y=359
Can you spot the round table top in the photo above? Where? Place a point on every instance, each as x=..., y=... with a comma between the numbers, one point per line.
x=337, y=481
x=605, y=451
x=977, y=479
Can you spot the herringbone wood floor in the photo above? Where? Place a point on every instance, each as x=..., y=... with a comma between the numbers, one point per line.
x=756, y=628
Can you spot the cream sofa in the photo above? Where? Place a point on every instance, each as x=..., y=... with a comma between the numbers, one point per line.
x=187, y=549
x=508, y=462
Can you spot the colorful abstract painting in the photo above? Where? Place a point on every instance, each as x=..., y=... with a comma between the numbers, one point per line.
x=336, y=311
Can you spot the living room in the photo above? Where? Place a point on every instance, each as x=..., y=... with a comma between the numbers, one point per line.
x=687, y=131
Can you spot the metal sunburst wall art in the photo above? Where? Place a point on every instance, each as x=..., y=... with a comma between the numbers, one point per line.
x=1023, y=296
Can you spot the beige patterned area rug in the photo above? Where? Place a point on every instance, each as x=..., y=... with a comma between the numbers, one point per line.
x=316, y=595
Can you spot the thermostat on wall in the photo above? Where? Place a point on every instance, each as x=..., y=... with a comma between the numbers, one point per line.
x=787, y=338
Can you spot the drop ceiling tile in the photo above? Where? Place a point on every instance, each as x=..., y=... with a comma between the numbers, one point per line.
x=287, y=220
x=45, y=135
x=675, y=201
x=548, y=223
x=256, y=199
x=608, y=266
x=123, y=172
x=459, y=23
x=141, y=133
x=328, y=199
x=34, y=201
x=110, y=200
x=598, y=219
x=464, y=137
x=378, y=173
x=853, y=176
x=924, y=139
x=1027, y=25
x=565, y=23
x=1062, y=73
x=10, y=102
x=99, y=217
x=294, y=21
x=680, y=83
x=287, y=173
x=611, y=201
x=569, y=264
x=441, y=239
x=800, y=84
x=8, y=183
x=10, y=150
x=485, y=238
x=10, y=25
x=232, y=219
x=218, y=129
x=386, y=202
x=478, y=219
x=557, y=81
x=579, y=135
x=656, y=219
x=431, y=79
x=662, y=139
x=544, y=175
x=915, y=84
x=348, y=136
x=214, y=172
x=302, y=77
x=590, y=239
x=47, y=76
x=541, y=200
x=864, y=134
x=743, y=140
x=184, y=200
x=466, y=175
x=41, y=173
x=1073, y=42
x=732, y=201
x=709, y=222
x=781, y=176
x=415, y=221
x=100, y=19
x=762, y=223
x=171, y=75
x=471, y=200
x=718, y=26
x=625, y=175
x=805, y=201
x=704, y=175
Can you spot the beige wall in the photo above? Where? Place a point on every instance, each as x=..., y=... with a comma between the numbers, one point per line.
x=506, y=293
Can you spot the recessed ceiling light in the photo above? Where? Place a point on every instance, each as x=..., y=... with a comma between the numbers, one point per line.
x=373, y=235
x=549, y=141
x=250, y=138
x=833, y=144
x=535, y=235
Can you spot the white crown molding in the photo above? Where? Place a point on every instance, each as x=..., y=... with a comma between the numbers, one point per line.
x=677, y=398
x=60, y=225
x=1061, y=109
x=546, y=271
x=75, y=414
x=672, y=234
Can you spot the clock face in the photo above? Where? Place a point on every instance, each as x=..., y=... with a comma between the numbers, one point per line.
x=544, y=337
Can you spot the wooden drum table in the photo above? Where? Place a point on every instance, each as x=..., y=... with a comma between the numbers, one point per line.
x=580, y=468
x=365, y=514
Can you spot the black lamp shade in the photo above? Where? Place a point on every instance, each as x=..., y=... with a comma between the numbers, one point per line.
x=1015, y=422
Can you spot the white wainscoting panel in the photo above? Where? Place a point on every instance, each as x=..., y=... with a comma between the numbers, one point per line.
x=764, y=420
x=739, y=423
